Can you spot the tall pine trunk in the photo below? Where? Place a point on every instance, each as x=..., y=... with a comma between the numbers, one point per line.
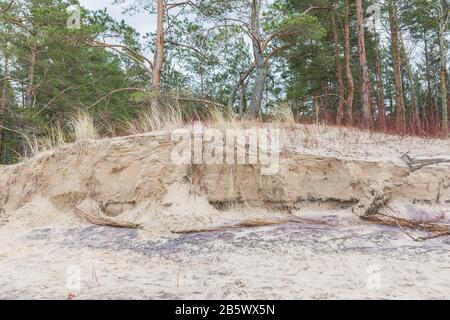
x=443, y=66
x=429, y=109
x=258, y=92
x=260, y=65
x=417, y=124
x=400, y=117
x=364, y=70
x=381, y=106
x=3, y=105
x=316, y=108
x=158, y=55
x=348, y=68
x=341, y=93
x=240, y=82
x=30, y=90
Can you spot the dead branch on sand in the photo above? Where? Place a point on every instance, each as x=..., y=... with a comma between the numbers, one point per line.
x=369, y=210
x=436, y=230
x=255, y=224
x=418, y=163
x=105, y=222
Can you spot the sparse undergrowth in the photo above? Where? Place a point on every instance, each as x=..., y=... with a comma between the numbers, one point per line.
x=81, y=127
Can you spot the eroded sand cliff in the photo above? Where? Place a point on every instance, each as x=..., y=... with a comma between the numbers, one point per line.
x=308, y=241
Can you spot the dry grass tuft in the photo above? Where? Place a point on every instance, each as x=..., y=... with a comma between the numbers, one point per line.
x=83, y=127
x=282, y=113
x=221, y=117
x=154, y=119
x=80, y=127
x=54, y=138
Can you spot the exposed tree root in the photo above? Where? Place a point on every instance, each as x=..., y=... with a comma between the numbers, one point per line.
x=418, y=163
x=371, y=204
x=255, y=224
x=369, y=210
x=435, y=230
x=105, y=222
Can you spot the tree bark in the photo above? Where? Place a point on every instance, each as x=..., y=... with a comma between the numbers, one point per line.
x=390, y=95
x=364, y=70
x=260, y=85
x=3, y=106
x=260, y=64
x=372, y=99
x=316, y=108
x=341, y=93
x=399, y=100
x=243, y=76
x=429, y=109
x=158, y=55
x=243, y=105
x=380, y=88
x=414, y=100
x=348, y=69
x=443, y=65
x=448, y=93
x=30, y=90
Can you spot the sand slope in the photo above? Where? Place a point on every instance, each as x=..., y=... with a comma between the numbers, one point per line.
x=133, y=179
x=325, y=175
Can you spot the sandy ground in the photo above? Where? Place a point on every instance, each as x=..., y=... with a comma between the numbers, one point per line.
x=345, y=259
x=48, y=251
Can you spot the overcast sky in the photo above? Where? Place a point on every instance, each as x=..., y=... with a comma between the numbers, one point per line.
x=143, y=22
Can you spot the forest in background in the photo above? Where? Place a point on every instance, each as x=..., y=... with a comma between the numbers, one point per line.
x=379, y=65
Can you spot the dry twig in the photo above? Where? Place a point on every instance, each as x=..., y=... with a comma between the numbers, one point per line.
x=101, y=221
x=255, y=224
x=436, y=230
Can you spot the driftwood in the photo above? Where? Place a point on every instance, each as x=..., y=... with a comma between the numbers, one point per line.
x=435, y=230
x=369, y=209
x=105, y=222
x=418, y=163
x=255, y=224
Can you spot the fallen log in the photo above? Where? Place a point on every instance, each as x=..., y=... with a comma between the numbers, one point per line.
x=255, y=224
x=105, y=222
x=434, y=229
x=369, y=209
x=418, y=163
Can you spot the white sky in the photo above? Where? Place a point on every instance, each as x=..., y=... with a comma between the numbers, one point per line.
x=142, y=22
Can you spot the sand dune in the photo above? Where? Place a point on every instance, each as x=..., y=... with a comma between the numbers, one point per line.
x=226, y=216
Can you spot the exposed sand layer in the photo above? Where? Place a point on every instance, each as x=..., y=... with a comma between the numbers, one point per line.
x=133, y=179
x=330, y=172
x=284, y=262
